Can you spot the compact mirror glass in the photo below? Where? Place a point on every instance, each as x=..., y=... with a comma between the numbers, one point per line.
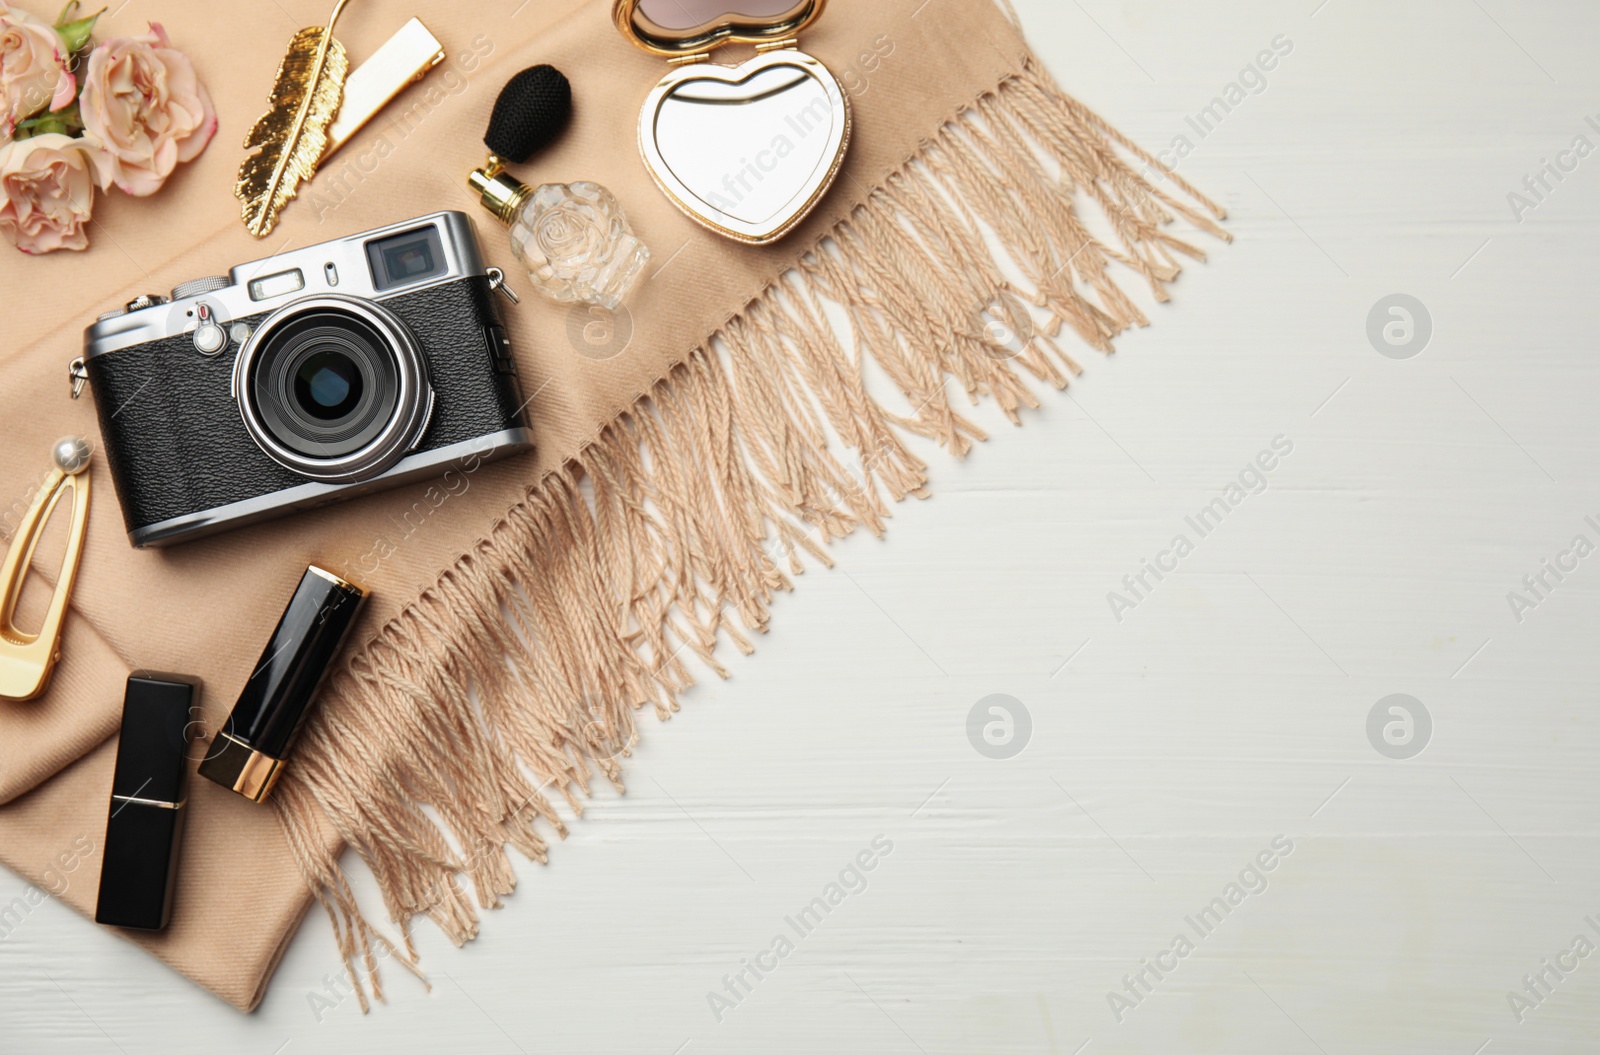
x=689, y=14
x=750, y=149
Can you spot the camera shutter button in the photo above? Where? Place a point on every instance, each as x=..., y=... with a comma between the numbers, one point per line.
x=196, y=286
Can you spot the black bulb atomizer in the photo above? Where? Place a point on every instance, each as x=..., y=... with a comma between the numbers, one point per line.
x=573, y=238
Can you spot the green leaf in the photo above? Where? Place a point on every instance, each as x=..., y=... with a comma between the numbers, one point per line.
x=39, y=126
x=66, y=120
x=75, y=34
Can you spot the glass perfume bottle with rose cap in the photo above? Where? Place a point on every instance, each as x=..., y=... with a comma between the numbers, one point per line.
x=573, y=238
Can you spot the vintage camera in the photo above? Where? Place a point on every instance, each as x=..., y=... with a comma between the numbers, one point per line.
x=306, y=378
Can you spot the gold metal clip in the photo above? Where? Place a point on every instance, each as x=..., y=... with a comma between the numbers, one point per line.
x=403, y=59
x=28, y=660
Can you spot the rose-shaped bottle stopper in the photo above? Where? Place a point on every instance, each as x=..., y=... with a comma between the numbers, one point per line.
x=574, y=239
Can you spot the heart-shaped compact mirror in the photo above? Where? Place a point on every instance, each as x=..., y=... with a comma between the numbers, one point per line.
x=746, y=150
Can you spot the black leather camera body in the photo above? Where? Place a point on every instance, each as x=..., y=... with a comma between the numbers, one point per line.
x=306, y=378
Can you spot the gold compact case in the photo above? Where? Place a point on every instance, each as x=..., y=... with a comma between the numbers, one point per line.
x=746, y=150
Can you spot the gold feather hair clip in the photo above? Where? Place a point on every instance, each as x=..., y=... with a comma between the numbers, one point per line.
x=289, y=139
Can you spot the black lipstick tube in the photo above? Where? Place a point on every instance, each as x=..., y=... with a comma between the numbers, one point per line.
x=139, y=869
x=249, y=754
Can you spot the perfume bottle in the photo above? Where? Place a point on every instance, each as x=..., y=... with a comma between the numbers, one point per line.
x=573, y=238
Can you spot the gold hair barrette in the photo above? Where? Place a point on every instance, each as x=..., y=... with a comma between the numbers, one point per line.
x=28, y=659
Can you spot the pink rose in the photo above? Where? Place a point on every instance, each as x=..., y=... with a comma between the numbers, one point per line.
x=33, y=70
x=46, y=192
x=146, y=109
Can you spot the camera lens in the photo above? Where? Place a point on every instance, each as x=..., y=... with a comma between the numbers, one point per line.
x=334, y=388
x=328, y=385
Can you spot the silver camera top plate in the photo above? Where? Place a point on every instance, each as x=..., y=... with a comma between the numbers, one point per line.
x=340, y=266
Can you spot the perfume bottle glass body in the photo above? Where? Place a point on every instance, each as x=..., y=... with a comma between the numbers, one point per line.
x=576, y=244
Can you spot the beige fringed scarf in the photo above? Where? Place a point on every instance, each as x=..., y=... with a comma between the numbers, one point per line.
x=521, y=622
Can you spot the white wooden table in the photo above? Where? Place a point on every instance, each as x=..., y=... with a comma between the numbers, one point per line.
x=1223, y=716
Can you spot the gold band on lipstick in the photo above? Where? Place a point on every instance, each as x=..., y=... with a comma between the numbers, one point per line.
x=239, y=768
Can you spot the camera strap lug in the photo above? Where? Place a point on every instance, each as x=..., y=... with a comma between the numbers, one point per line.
x=78, y=374
x=497, y=282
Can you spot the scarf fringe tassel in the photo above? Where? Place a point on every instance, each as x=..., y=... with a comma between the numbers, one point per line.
x=528, y=659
